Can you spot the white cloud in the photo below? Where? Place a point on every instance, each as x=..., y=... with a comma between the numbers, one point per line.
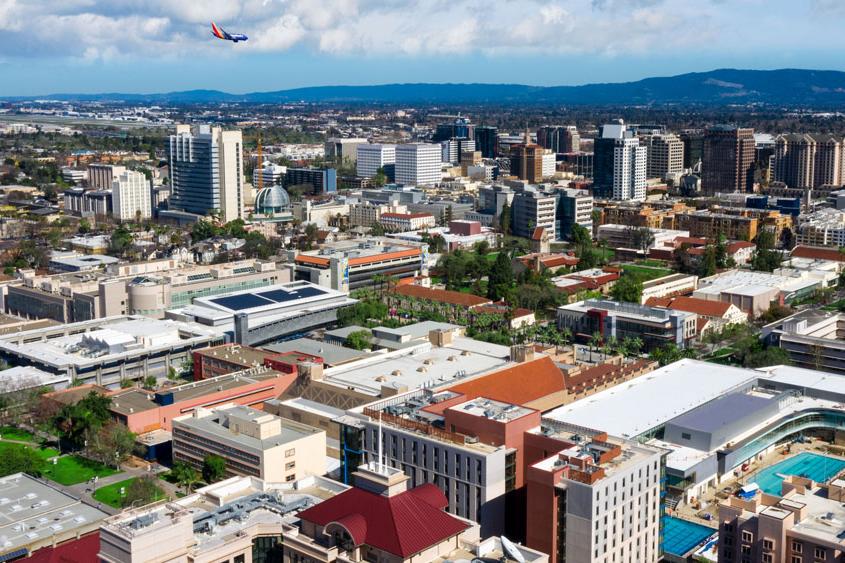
x=98, y=29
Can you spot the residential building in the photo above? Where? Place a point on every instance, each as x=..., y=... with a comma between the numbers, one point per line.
x=611, y=319
x=487, y=141
x=340, y=150
x=371, y=158
x=531, y=209
x=559, y=138
x=206, y=171
x=101, y=176
x=707, y=224
x=665, y=155
x=727, y=160
x=619, y=164
x=403, y=222
x=549, y=164
x=253, y=443
x=312, y=180
x=418, y=164
x=805, y=161
x=349, y=265
x=131, y=196
x=573, y=207
x=200, y=527
x=82, y=202
x=367, y=214
x=825, y=227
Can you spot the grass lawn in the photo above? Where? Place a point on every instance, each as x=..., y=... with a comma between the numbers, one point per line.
x=12, y=433
x=44, y=453
x=491, y=256
x=72, y=469
x=110, y=494
x=652, y=263
x=645, y=273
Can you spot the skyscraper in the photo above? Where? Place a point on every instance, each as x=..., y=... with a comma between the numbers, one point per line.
x=727, y=164
x=487, y=141
x=131, y=196
x=665, y=155
x=373, y=157
x=619, y=164
x=808, y=161
x=527, y=161
x=206, y=171
x=693, y=140
x=453, y=148
x=418, y=164
x=559, y=138
x=460, y=127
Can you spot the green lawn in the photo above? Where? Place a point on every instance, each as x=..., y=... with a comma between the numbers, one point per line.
x=73, y=469
x=44, y=453
x=12, y=433
x=652, y=263
x=110, y=494
x=645, y=273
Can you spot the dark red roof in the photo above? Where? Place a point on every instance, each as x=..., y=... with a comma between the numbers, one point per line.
x=403, y=525
x=818, y=253
x=83, y=550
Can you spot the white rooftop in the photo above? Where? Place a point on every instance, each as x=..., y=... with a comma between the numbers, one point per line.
x=649, y=401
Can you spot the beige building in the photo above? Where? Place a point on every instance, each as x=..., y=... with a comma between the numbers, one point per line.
x=252, y=442
x=101, y=176
x=665, y=155
x=805, y=161
x=366, y=214
x=131, y=196
x=805, y=525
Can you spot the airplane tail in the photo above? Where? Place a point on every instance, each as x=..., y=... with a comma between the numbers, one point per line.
x=216, y=31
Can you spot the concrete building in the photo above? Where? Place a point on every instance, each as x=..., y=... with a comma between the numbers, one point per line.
x=200, y=527
x=313, y=180
x=559, y=138
x=352, y=264
x=623, y=237
x=206, y=171
x=366, y=214
x=717, y=314
x=611, y=319
x=373, y=157
x=253, y=443
x=131, y=196
x=403, y=222
x=532, y=209
x=418, y=164
x=487, y=141
x=811, y=338
x=459, y=234
x=573, y=207
x=619, y=164
x=82, y=202
x=526, y=161
x=665, y=155
x=805, y=161
x=452, y=149
x=270, y=175
x=727, y=160
x=670, y=286
x=38, y=516
x=754, y=292
x=825, y=227
x=340, y=150
x=102, y=176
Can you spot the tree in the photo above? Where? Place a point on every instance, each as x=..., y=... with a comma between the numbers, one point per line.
x=642, y=238
x=709, y=262
x=775, y=312
x=121, y=240
x=377, y=230
x=21, y=460
x=627, y=288
x=311, y=233
x=213, y=468
x=500, y=278
x=505, y=219
x=765, y=257
x=142, y=490
x=359, y=339
x=110, y=444
x=150, y=382
x=671, y=353
x=184, y=475
x=73, y=422
x=84, y=227
x=721, y=252
x=482, y=247
x=380, y=179
x=787, y=239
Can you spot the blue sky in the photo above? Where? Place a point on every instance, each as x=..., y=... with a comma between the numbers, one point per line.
x=164, y=45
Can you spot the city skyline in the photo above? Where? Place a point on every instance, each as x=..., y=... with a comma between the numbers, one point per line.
x=94, y=46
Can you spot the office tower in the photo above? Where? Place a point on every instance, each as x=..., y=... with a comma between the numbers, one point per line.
x=527, y=161
x=315, y=180
x=452, y=149
x=206, y=172
x=101, y=176
x=573, y=207
x=338, y=151
x=373, y=157
x=619, y=164
x=727, y=164
x=418, y=164
x=531, y=209
x=487, y=141
x=807, y=161
x=131, y=196
x=461, y=127
x=559, y=138
x=270, y=175
x=548, y=163
x=665, y=155
x=693, y=147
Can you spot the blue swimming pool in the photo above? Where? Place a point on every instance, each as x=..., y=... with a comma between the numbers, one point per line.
x=819, y=468
x=680, y=536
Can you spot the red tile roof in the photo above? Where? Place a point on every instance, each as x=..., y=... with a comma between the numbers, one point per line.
x=737, y=245
x=403, y=525
x=520, y=384
x=538, y=233
x=441, y=296
x=702, y=307
x=82, y=550
x=816, y=253
x=405, y=215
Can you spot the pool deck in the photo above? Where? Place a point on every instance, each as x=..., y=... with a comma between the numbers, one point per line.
x=813, y=465
x=680, y=536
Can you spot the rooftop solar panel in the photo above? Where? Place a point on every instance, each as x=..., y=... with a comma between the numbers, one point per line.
x=241, y=302
x=281, y=296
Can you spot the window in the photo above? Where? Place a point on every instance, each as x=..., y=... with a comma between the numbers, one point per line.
x=820, y=554
x=768, y=545
x=796, y=559
x=797, y=546
x=290, y=465
x=766, y=558
x=747, y=536
x=290, y=453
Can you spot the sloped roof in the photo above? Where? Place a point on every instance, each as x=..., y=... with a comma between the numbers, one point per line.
x=520, y=384
x=816, y=253
x=702, y=307
x=402, y=525
x=441, y=295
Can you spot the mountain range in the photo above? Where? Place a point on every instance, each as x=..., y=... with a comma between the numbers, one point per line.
x=793, y=87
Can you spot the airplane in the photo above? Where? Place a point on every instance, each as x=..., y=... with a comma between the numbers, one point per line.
x=221, y=33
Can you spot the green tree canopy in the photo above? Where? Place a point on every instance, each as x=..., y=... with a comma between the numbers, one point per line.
x=627, y=288
x=213, y=468
x=359, y=339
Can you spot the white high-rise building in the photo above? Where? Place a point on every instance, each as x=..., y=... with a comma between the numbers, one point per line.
x=418, y=164
x=549, y=164
x=373, y=157
x=629, y=169
x=131, y=196
x=206, y=171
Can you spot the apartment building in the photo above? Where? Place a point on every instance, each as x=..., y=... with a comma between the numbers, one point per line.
x=531, y=209
x=804, y=161
x=574, y=207
x=253, y=443
x=727, y=160
x=131, y=196
x=367, y=214
x=403, y=222
x=707, y=224
x=665, y=155
x=619, y=164
x=825, y=227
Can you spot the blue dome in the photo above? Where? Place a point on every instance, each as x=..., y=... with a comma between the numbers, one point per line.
x=272, y=200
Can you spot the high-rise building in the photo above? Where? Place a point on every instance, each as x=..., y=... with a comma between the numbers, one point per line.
x=452, y=149
x=461, y=127
x=338, y=151
x=373, y=157
x=418, y=164
x=559, y=138
x=320, y=180
x=527, y=161
x=548, y=163
x=619, y=164
x=727, y=164
x=573, y=207
x=206, y=171
x=665, y=155
x=693, y=140
x=131, y=196
x=808, y=161
x=531, y=209
x=101, y=176
x=487, y=141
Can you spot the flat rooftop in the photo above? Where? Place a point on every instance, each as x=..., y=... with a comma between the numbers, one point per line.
x=332, y=354
x=33, y=514
x=825, y=518
x=647, y=402
x=236, y=353
x=746, y=282
x=494, y=410
x=419, y=366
